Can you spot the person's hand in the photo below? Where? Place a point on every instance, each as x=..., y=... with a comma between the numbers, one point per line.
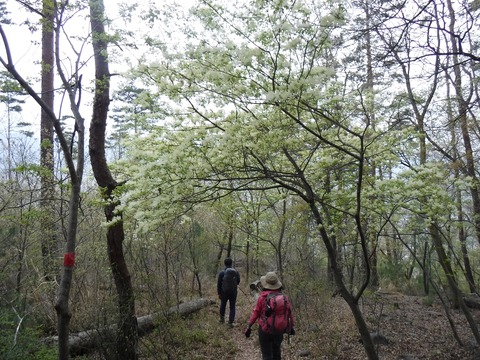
x=248, y=331
x=292, y=331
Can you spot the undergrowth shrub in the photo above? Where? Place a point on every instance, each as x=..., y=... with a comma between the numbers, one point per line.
x=22, y=342
x=198, y=336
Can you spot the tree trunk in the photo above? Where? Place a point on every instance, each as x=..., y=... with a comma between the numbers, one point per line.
x=281, y=237
x=426, y=268
x=462, y=236
x=230, y=238
x=76, y=175
x=49, y=239
x=464, y=126
x=371, y=121
x=127, y=322
x=452, y=282
x=347, y=296
x=194, y=257
x=127, y=339
x=309, y=197
x=62, y=304
x=463, y=244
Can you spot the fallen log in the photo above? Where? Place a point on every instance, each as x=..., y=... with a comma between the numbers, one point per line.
x=87, y=341
x=148, y=322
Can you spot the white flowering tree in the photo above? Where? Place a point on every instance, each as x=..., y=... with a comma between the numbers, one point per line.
x=266, y=97
x=262, y=105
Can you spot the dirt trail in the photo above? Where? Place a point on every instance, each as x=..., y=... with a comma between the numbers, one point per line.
x=248, y=349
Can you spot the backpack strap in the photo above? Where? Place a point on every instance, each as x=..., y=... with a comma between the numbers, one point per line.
x=272, y=294
x=268, y=297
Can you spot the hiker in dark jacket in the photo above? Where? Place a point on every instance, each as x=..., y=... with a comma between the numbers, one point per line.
x=228, y=280
x=270, y=340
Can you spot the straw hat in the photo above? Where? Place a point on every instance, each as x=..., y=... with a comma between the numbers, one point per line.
x=270, y=281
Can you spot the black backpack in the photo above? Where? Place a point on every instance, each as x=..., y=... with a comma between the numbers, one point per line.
x=229, y=283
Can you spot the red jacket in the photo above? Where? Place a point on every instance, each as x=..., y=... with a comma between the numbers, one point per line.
x=259, y=310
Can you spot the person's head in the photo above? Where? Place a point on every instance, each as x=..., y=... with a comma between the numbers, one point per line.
x=228, y=262
x=270, y=281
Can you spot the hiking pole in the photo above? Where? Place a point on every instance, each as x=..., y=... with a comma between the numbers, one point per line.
x=243, y=291
x=247, y=296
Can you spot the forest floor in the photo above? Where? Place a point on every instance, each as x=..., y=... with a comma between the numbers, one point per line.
x=411, y=330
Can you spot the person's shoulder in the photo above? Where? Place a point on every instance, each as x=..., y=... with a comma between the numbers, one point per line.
x=274, y=292
x=265, y=293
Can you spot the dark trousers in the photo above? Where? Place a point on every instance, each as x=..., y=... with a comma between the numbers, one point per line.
x=232, y=300
x=270, y=345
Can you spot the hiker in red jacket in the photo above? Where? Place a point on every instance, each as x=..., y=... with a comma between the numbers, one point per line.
x=274, y=314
